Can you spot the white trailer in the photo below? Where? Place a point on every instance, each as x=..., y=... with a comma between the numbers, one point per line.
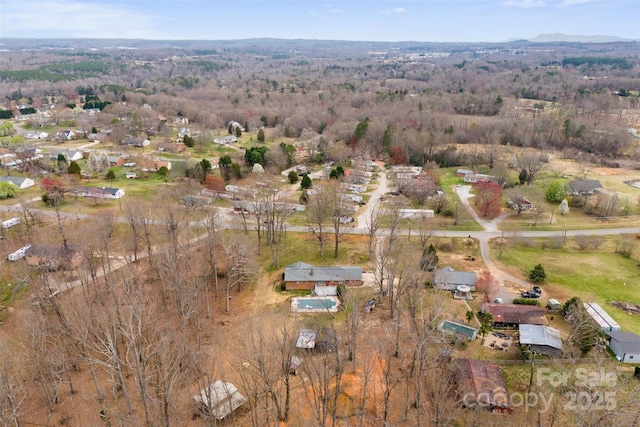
x=19, y=254
x=10, y=222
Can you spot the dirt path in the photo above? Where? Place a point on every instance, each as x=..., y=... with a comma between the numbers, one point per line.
x=374, y=199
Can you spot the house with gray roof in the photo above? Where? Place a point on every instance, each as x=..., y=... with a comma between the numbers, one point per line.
x=584, y=187
x=626, y=346
x=449, y=279
x=305, y=276
x=19, y=181
x=541, y=339
x=98, y=192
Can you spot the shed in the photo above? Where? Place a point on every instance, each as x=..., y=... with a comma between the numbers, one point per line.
x=626, y=346
x=294, y=365
x=306, y=339
x=541, y=339
x=219, y=399
x=553, y=304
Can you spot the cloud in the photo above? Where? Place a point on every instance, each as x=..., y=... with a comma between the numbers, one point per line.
x=394, y=11
x=566, y=3
x=524, y=4
x=74, y=18
x=332, y=9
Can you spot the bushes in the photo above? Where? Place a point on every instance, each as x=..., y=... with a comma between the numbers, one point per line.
x=525, y=301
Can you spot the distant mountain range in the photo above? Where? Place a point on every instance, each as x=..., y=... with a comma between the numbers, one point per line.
x=559, y=37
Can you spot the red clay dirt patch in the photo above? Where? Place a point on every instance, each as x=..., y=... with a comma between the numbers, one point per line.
x=629, y=307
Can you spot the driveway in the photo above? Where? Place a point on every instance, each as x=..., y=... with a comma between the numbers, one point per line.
x=509, y=285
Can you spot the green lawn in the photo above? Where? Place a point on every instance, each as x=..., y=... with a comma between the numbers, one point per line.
x=601, y=276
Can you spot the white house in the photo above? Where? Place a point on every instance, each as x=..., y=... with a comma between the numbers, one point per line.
x=416, y=213
x=99, y=192
x=71, y=156
x=224, y=140
x=477, y=177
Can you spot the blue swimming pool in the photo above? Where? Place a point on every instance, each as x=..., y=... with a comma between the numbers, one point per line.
x=316, y=303
x=457, y=328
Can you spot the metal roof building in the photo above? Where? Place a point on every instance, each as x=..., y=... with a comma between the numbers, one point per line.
x=601, y=317
x=513, y=315
x=626, y=346
x=220, y=399
x=541, y=339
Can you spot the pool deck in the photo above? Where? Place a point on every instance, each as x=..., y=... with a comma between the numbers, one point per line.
x=298, y=307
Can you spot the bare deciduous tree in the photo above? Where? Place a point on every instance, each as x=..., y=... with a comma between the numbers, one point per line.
x=372, y=226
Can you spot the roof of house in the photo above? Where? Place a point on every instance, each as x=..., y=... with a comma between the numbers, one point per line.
x=540, y=335
x=303, y=272
x=516, y=314
x=96, y=190
x=221, y=398
x=482, y=379
x=464, y=171
x=448, y=275
x=519, y=199
x=628, y=342
x=15, y=180
x=585, y=185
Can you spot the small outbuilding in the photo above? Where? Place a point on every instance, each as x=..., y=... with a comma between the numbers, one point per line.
x=220, y=399
x=306, y=339
x=553, y=304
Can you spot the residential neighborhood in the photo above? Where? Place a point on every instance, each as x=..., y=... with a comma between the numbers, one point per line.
x=318, y=233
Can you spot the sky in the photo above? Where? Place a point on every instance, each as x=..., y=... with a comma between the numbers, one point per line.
x=372, y=20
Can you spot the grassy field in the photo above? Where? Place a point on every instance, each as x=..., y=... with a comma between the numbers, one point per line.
x=595, y=276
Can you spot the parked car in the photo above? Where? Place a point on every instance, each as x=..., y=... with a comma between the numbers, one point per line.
x=346, y=219
x=528, y=294
x=537, y=290
x=498, y=301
